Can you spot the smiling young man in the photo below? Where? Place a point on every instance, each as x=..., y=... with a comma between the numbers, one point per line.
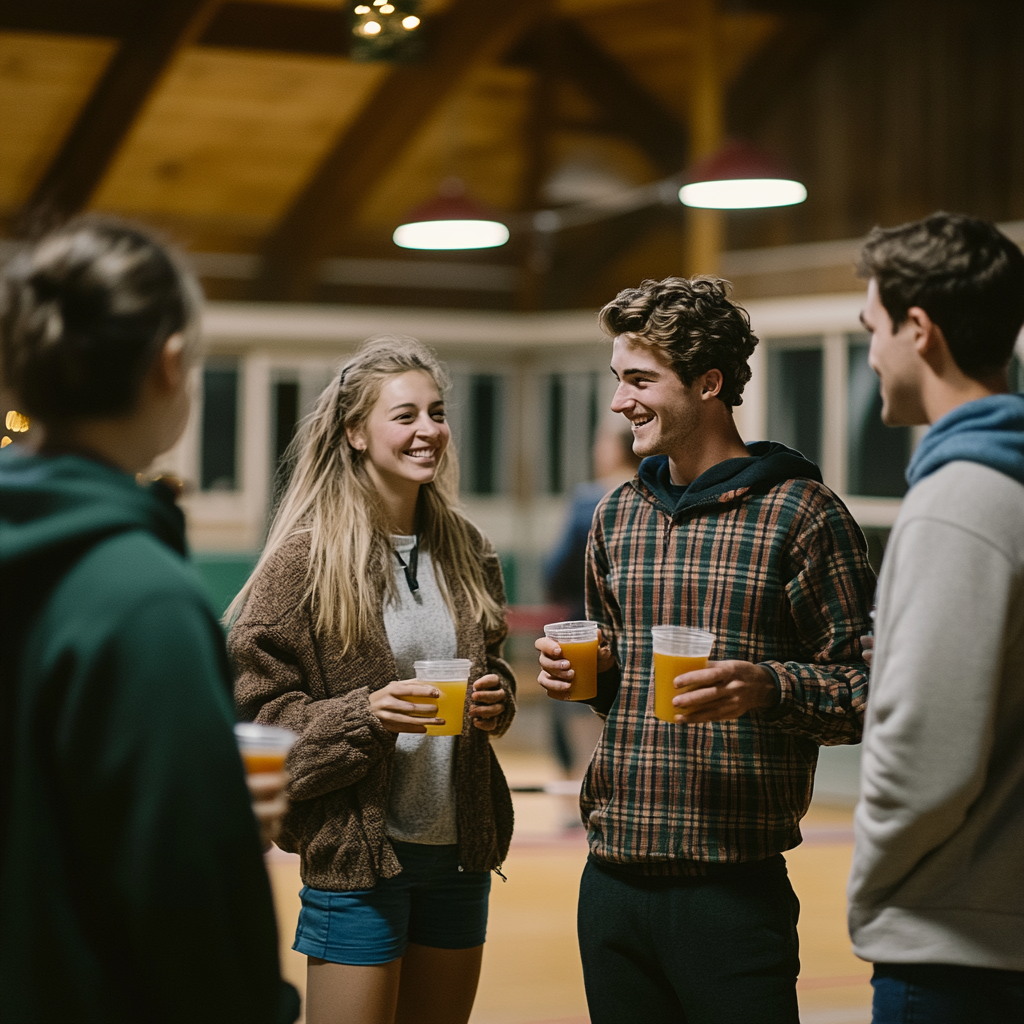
x=936, y=896
x=686, y=911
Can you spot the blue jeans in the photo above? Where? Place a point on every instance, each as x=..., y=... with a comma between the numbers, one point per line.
x=946, y=994
x=433, y=902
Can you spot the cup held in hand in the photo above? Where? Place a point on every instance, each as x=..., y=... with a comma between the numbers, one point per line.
x=677, y=649
x=451, y=677
x=578, y=641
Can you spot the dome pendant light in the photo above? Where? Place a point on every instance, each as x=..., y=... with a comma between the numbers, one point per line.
x=740, y=177
x=451, y=221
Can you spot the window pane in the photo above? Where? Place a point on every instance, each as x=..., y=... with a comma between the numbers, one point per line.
x=286, y=416
x=483, y=434
x=1016, y=375
x=795, y=399
x=556, y=426
x=220, y=428
x=877, y=455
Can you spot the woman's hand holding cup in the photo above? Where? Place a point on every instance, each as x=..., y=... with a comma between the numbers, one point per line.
x=400, y=715
x=487, y=702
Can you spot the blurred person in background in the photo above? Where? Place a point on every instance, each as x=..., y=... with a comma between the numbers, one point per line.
x=368, y=568
x=686, y=911
x=132, y=885
x=614, y=463
x=936, y=898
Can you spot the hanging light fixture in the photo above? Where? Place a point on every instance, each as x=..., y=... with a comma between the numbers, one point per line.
x=740, y=176
x=452, y=220
x=385, y=30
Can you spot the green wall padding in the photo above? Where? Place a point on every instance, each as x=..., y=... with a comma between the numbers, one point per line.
x=224, y=574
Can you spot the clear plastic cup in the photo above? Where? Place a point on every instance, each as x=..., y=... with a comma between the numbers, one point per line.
x=263, y=747
x=677, y=649
x=578, y=641
x=452, y=679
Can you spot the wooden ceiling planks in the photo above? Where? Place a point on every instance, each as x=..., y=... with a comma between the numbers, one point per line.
x=235, y=135
x=151, y=42
x=44, y=82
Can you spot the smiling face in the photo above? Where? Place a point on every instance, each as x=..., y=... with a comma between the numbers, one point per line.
x=405, y=434
x=666, y=415
x=895, y=358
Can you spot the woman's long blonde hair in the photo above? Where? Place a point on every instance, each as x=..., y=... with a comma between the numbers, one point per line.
x=330, y=497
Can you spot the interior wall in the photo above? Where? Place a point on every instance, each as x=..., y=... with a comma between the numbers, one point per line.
x=912, y=106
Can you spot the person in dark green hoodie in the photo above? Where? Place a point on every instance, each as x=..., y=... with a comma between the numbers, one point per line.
x=132, y=886
x=686, y=911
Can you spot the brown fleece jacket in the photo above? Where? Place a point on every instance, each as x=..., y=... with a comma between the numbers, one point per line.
x=287, y=675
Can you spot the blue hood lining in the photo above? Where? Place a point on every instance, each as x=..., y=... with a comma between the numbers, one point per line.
x=989, y=431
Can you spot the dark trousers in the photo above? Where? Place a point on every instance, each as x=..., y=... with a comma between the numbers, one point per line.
x=946, y=994
x=720, y=949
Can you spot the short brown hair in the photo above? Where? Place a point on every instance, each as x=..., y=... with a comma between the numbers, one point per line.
x=964, y=273
x=695, y=322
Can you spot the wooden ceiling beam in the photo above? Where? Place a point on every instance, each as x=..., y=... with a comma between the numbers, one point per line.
x=624, y=103
x=804, y=31
x=319, y=31
x=317, y=223
x=154, y=36
x=236, y=24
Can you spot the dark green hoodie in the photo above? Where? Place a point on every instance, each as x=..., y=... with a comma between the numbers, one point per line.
x=768, y=464
x=132, y=886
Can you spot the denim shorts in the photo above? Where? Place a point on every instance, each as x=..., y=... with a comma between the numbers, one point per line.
x=432, y=903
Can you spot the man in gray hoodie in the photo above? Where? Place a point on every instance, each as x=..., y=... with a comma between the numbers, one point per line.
x=936, y=888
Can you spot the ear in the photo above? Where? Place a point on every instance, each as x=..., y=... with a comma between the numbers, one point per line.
x=356, y=438
x=928, y=339
x=711, y=384
x=925, y=331
x=169, y=367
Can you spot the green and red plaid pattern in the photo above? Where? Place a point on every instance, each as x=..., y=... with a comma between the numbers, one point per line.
x=781, y=578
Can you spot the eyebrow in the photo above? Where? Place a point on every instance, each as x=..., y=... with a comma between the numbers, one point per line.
x=647, y=371
x=412, y=405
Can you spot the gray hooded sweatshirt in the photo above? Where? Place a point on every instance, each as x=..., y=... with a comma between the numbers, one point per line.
x=938, y=867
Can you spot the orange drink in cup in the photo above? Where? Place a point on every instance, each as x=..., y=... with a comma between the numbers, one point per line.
x=452, y=679
x=578, y=641
x=677, y=649
x=263, y=747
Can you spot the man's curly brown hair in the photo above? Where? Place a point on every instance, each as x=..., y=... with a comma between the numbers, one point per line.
x=696, y=324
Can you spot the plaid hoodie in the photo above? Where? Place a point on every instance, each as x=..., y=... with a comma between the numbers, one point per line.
x=762, y=554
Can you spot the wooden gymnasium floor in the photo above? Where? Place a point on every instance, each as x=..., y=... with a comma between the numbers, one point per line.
x=531, y=971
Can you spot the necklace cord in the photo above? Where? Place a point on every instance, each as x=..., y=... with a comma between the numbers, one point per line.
x=410, y=567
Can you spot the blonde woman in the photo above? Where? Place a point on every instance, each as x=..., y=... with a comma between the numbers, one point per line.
x=368, y=568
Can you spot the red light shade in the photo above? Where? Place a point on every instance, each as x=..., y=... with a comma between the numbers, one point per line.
x=736, y=159
x=451, y=203
x=451, y=220
x=740, y=176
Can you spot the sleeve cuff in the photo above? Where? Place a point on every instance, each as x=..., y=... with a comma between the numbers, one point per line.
x=783, y=689
x=607, y=690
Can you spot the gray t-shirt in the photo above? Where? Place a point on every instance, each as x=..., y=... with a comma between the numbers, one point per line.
x=421, y=804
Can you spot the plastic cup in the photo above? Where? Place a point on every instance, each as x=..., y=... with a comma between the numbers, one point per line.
x=263, y=747
x=452, y=679
x=578, y=641
x=677, y=649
